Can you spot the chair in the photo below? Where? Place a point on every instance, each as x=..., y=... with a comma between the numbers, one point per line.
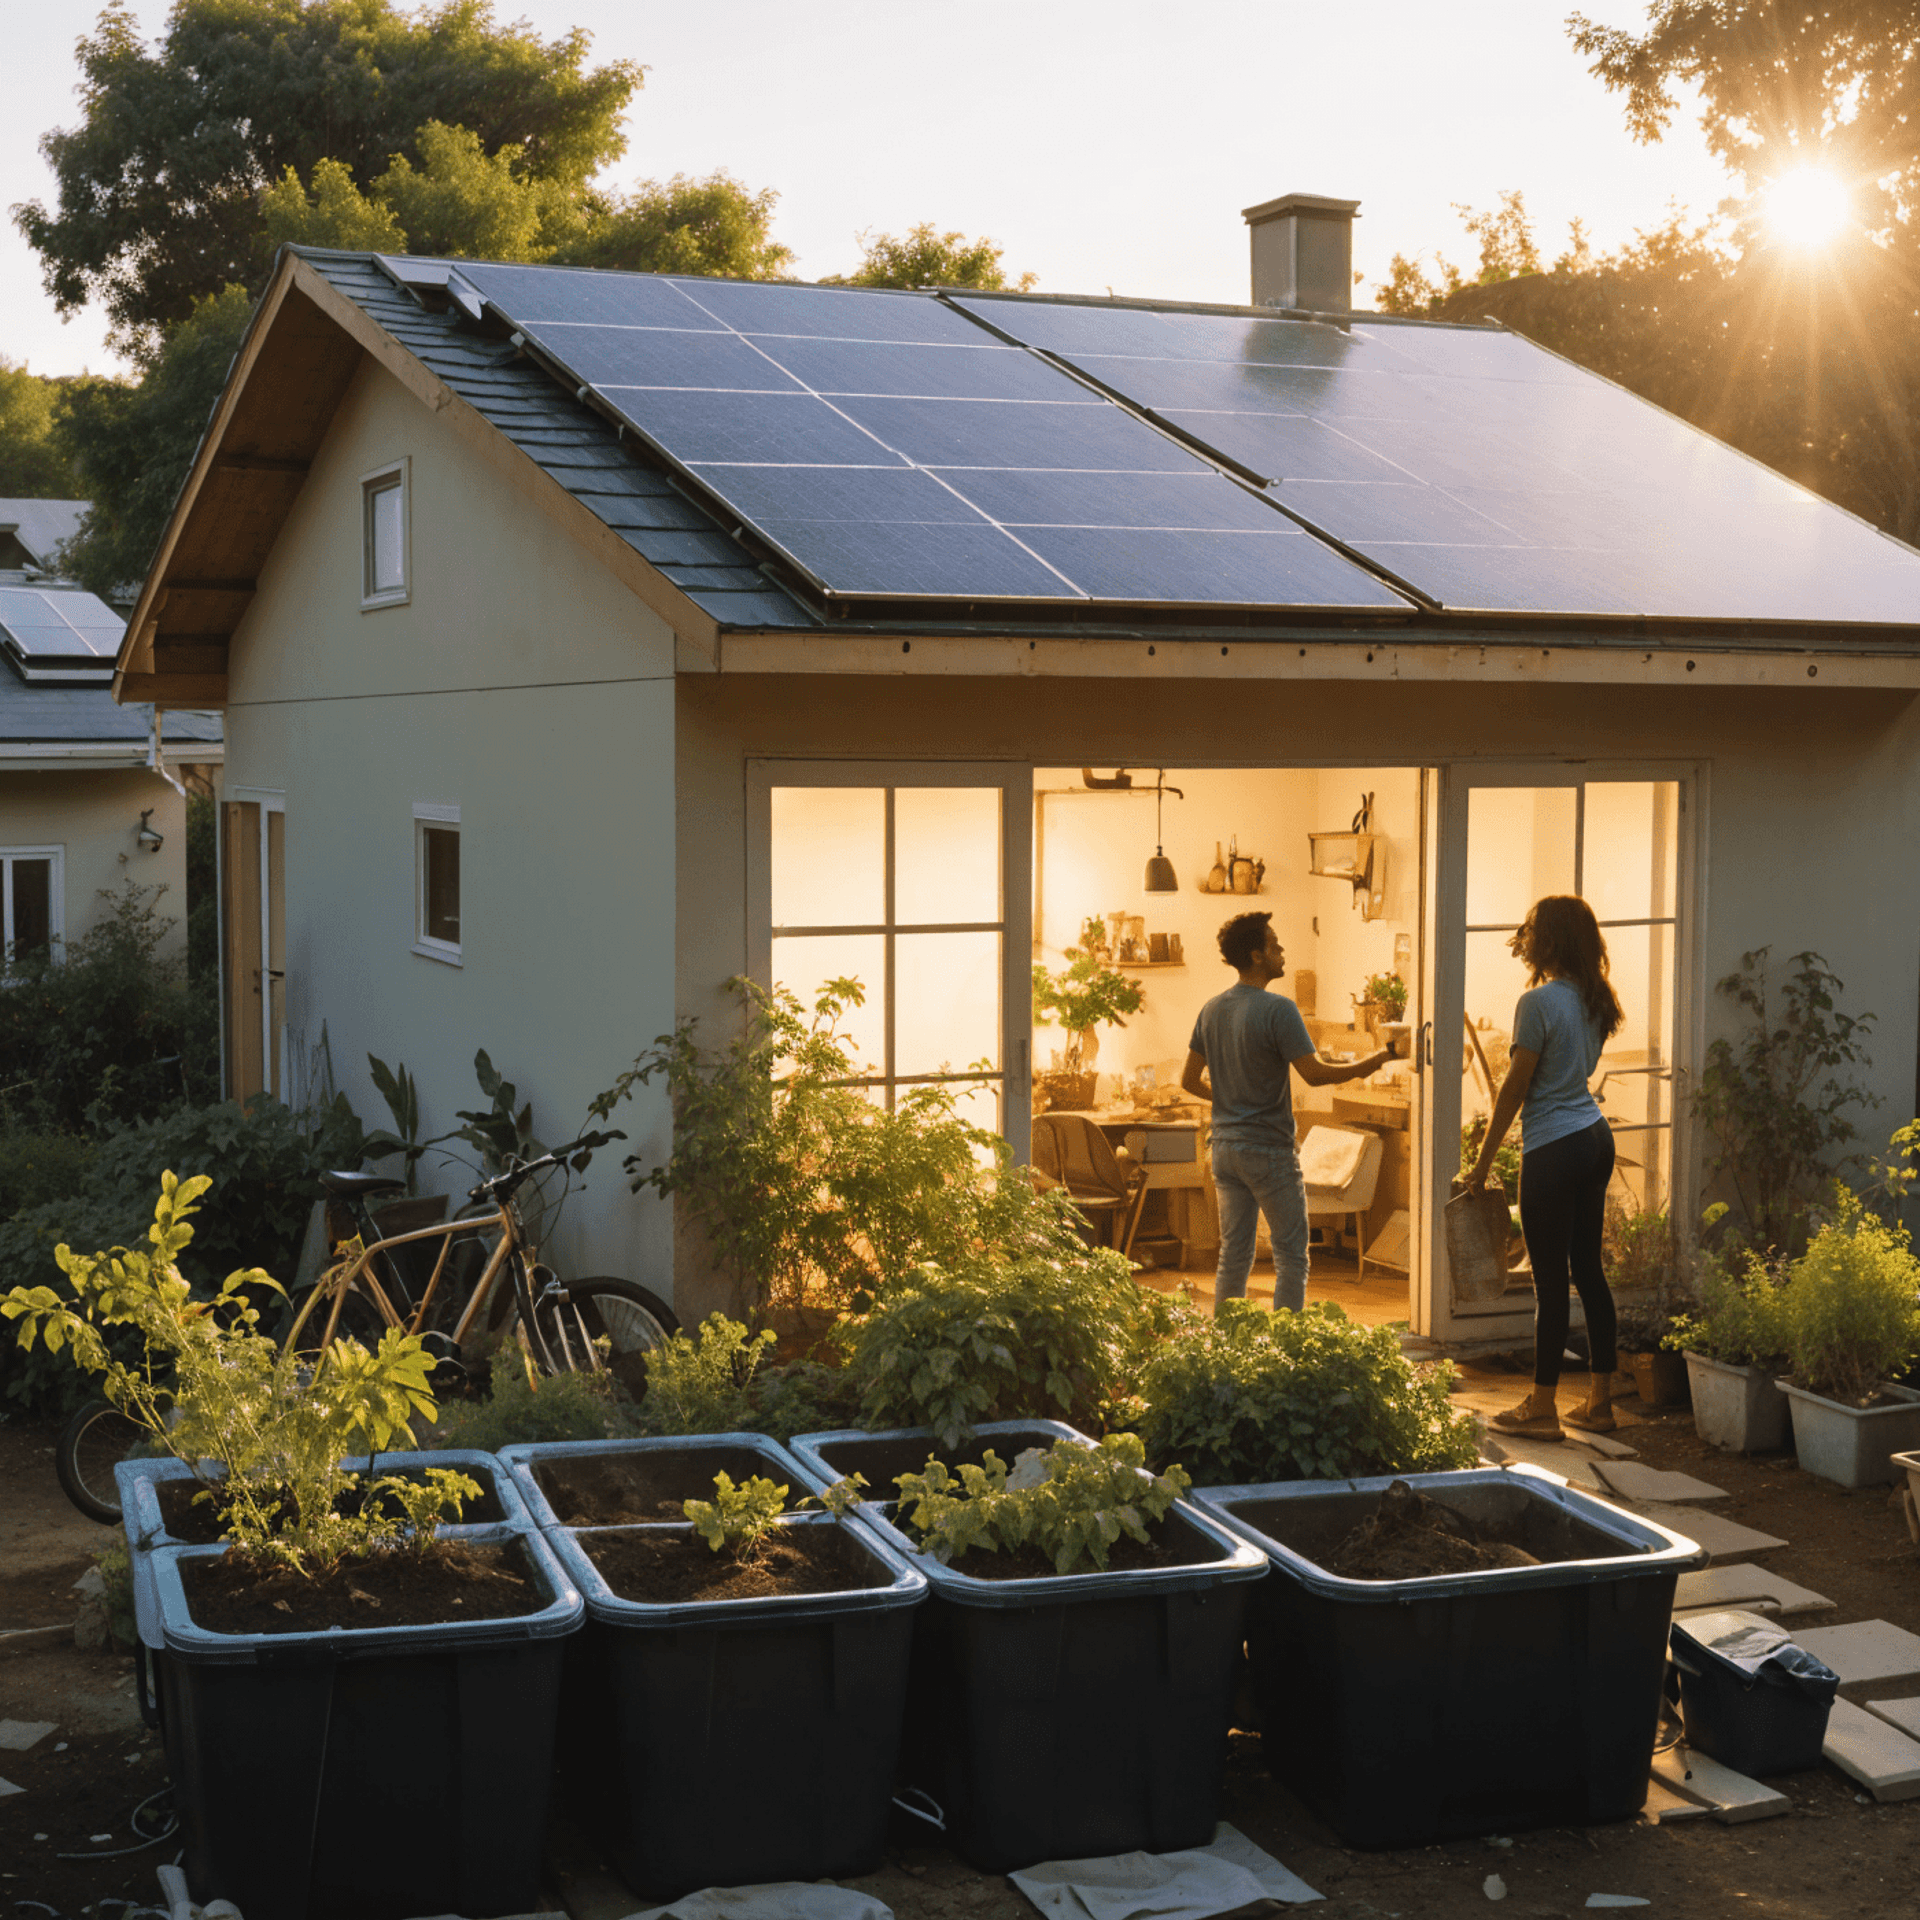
x=1352, y=1157
x=1069, y=1149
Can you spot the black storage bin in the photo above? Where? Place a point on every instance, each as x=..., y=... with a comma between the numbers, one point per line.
x=1055, y=1719
x=1750, y=1698
x=732, y=1742
x=371, y=1774
x=1410, y=1711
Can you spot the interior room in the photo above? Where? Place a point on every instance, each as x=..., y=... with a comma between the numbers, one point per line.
x=1334, y=856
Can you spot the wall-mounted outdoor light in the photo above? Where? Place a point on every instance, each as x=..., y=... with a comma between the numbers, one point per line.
x=151, y=838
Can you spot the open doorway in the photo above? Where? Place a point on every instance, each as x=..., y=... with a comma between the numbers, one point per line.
x=1338, y=858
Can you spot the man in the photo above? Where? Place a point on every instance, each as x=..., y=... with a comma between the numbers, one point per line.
x=1248, y=1042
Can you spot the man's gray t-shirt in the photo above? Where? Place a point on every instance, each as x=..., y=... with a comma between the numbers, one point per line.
x=1552, y=1021
x=1249, y=1039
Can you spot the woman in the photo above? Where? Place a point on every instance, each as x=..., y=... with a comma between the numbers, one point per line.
x=1565, y=1017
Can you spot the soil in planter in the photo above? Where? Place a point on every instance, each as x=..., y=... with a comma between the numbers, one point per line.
x=1166, y=1545
x=664, y=1569
x=613, y=1489
x=1409, y=1537
x=447, y=1581
x=202, y=1523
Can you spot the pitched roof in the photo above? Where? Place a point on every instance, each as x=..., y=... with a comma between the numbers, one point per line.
x=43, y=527
x=767, y=456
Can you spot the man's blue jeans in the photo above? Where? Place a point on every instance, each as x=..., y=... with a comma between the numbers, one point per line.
x=1251, y=1181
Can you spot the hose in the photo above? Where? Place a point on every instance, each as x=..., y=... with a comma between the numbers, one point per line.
x=152, y=1840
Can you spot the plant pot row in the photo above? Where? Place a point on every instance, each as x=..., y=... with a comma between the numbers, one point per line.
x=1750, y=1410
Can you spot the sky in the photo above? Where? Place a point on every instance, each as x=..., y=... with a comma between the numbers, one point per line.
x=1105, y=146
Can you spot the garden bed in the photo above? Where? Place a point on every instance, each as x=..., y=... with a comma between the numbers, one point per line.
x=198, y=1523
x=663, y=1566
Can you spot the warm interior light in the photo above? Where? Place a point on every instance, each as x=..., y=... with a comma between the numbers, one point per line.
x=1808, y=208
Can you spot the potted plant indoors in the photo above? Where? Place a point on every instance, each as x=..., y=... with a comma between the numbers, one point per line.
x=1086, y=995
x=1650, y=1294
x=1385, y=1003
x=332, y=1643
x=1735, y=1343
x=1852, y=1314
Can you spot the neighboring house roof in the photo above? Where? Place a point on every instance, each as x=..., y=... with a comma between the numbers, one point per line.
x=42, y=527
x=788, y=458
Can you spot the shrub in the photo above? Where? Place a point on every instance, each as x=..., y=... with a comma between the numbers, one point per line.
x=1254, y=1396
x=714, y=1382
x=1850, y=1307
x=1641, y=1261
x=521, y=1409
x=993, y=1339
x=1742, y=1315
x=40, y=1164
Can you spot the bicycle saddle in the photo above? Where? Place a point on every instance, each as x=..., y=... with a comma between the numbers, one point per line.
x=359, y=1186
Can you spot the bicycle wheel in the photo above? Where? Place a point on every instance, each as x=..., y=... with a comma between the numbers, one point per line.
x=90, y=1446
x=601, y=1322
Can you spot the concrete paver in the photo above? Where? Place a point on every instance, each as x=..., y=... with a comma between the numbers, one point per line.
x=1867, y=1749
x=1633, y=1480
x=1867, y=1654
x=1742, y=1585
x=1732, y=1797
x=1723, y=1538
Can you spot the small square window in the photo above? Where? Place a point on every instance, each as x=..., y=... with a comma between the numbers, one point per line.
x=383, y=498
x=436, y=843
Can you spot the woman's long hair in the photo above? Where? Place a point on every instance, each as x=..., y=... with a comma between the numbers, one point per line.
x=1561, y=936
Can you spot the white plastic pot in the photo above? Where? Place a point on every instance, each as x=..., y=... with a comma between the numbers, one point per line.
x=1853, y=1446
x=1736, y=1407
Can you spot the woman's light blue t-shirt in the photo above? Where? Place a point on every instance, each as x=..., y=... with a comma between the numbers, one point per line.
x=1551, y=1020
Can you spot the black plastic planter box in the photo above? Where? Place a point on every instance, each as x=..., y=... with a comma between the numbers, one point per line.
x=683, y=1463
x=732, y=1742
x=1058, y=1718
x=370, y=1774
x=1408, y=1711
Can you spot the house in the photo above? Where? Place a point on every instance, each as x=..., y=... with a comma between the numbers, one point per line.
x=87, y=800
x=586, y=639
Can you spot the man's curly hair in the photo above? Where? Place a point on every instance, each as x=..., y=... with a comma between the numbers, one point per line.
x=1242, y=937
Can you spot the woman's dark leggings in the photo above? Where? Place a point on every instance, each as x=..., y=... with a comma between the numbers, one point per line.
x=1563, y=1206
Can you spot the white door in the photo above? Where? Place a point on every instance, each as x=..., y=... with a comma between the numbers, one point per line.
x=914, y=878
x=1621, y=836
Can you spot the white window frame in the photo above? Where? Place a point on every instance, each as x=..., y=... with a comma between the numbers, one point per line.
x=395, y=474
x=433, y=814
x=56, y=901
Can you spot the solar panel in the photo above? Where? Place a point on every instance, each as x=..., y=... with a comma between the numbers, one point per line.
x=882, y=441
x=61, y=623
x=1482, y=470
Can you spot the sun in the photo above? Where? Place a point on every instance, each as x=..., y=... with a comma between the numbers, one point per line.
x=1808, y=208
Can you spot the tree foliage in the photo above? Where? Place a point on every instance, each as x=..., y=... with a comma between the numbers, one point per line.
x=159, y=186
x=924, y=257
x=33, y=464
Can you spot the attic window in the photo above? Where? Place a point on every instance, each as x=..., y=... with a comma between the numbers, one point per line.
x=384, y=530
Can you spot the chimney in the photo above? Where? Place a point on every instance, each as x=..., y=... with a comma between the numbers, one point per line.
x=1303, y=252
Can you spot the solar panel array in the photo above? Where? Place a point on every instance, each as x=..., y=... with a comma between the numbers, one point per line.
x=892, y=448
x=58, y=634
x=1481, y=471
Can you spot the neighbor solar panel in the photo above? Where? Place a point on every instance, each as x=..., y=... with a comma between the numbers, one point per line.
x=893, y=449
x=62, y=633
x=1484, y=472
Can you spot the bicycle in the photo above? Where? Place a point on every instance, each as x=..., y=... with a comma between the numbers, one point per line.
x=601, y=1323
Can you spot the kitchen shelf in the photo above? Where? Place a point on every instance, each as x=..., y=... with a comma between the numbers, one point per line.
x=1228, y=893
x=1146, y=966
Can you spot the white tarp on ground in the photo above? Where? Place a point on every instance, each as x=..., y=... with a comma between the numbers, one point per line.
x=782, y=1900
x=1194, y=1885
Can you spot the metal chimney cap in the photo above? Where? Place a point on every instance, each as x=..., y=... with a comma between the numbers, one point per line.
x=1307, y=203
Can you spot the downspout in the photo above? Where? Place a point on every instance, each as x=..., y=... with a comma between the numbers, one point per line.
x=157, y=762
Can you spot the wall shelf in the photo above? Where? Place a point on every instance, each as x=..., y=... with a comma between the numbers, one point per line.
x=1228, y=893
x=1145, y=966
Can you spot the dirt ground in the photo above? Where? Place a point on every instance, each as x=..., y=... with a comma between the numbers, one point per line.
x=1837, y=1856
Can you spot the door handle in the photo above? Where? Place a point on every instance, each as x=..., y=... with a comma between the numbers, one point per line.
x=1423, y=1050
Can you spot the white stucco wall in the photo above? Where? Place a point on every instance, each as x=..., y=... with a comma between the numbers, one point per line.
x=526, y=687
x=93, y=816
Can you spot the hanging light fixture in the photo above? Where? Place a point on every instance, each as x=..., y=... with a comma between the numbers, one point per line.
x=1161, y=877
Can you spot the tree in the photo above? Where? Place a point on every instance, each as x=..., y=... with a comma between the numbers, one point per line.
x=160, y=185
x=682, y=225
x=33, y=466
x=920, y=257
x=131, y=444
x=1507, y=251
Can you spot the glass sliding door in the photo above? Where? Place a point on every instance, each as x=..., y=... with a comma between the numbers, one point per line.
x=906, y=877
x=1619, y=838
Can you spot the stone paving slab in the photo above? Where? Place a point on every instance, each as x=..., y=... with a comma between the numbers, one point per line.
x=1665, y=1807
x=1567, y=1463
x=1723, y=1538
x=1869, y=1653
x=1904, y=1714
x=1744, y=1586
x=1731, y=1797
x=1633, y=1480
x=1867, y=1749
x=1607, y=1445
x=16, y=1736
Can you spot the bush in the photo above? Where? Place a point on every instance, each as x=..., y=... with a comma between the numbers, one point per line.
x=1852, y=1318
x=1742, y=1316
x=715, y=1383
x=40, y=1164
x=110, y=1028
x=519, y=1410
x=991, y=1339
x=267, y=1161
x=1254, y=1396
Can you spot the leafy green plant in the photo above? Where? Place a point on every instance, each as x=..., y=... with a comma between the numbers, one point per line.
x=1070, y=1502
x=1641, y=1259
x=396, y=1086
x=738, y=1518
x=260, y=1427
x=1852, y=1306
x=1506, y=1162
x=704, y=1383
x=1779, y=1099
x=1741, y=1312
x=115, y=1566
x=992, y=1339
x=1085, y=994
x=520, y=1408
x=803, y=1396
x=1313, y=1395
x=808, y=1193
x=1389, y=991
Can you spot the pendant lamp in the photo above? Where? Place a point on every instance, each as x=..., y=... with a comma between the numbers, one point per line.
x=1161, y=877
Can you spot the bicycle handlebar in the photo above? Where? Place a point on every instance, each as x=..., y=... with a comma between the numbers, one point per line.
x=502, y=1185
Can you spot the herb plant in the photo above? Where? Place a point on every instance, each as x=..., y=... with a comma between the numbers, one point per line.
x=1389, y=991
x=1852, y=1306
x=1254, y=1396
x=1642, y=1264
x=704, y=1383
x=1085, y=994
x=216, y=1392
x=739, y=1519
x=518, y=1410
x=1741, y=1313
x=1071, y=1503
